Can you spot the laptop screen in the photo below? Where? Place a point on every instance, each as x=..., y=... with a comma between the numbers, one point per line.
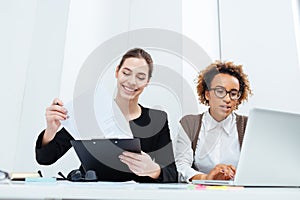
x=270, y=151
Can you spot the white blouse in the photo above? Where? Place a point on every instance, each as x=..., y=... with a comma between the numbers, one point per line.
x=217, y=144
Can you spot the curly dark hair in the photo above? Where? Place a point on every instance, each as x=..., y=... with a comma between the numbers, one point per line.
x=206, y=76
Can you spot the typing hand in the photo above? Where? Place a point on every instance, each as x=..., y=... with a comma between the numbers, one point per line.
x=140, y=164
x=221, y=172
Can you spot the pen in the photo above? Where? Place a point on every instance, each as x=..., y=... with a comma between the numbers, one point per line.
x=61, y=174
x=40, y=173
x=56, y=103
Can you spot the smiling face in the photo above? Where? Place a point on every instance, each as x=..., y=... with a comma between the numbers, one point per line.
x=132, y=78
x=220, y=108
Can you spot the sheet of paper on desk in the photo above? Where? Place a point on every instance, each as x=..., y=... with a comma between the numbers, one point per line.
x=102, y=184
x=5, y=181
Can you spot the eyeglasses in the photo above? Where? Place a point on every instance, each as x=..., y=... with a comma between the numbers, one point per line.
x=221, y=92
x=3, y=175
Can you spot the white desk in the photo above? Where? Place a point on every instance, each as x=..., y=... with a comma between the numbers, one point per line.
x=67, y=190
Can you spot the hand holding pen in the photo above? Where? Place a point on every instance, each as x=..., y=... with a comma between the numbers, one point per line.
x=54, y=113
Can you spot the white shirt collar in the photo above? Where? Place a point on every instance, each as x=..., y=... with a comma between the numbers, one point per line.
x=210, y=123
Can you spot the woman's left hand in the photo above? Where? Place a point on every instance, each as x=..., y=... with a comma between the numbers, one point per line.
x=141, y=164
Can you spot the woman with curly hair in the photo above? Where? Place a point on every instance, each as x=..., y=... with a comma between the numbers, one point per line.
x=208, y=144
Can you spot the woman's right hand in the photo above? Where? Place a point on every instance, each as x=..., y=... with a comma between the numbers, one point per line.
x=219, y=172
x=54, y=113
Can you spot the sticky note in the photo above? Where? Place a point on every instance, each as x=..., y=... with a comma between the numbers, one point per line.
x=40, y=180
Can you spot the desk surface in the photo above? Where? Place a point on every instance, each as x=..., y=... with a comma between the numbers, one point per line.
x=68, y=190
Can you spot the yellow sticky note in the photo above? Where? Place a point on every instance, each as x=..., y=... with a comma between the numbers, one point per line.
x=217, y=187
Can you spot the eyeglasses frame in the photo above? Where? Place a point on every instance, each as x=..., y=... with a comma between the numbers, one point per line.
x=227, y=92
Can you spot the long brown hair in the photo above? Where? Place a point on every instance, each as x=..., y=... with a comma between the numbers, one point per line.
x=138, y=53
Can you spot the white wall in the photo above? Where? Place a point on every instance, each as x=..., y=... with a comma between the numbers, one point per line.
x=42, y=78
x=33, y=38
x=45, y=43
x=15, y=17
x=261, y=36
x=296, y=15
x=200, y=24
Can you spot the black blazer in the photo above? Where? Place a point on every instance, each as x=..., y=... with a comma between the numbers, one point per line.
x=151, y=127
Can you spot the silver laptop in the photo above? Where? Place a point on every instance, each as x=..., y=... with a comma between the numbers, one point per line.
x=270, y=155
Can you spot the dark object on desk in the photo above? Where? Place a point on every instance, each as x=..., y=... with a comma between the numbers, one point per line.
x=3, y=175
x=40, y=173
x=77, y=176
x=102, y=156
